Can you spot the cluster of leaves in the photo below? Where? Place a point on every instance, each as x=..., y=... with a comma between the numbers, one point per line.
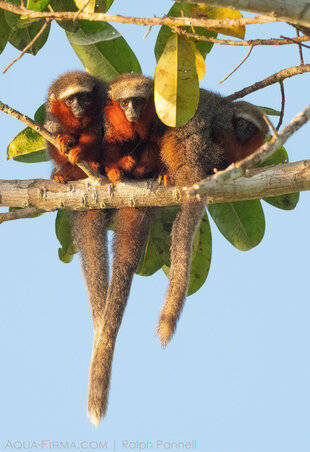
x=180, y=66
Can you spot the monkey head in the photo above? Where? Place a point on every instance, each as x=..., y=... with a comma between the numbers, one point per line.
x=73, y=97
x=131, y=91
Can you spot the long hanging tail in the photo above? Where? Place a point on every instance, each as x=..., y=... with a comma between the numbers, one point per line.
x=131, y=231
x=183, y=232
x=90, y=237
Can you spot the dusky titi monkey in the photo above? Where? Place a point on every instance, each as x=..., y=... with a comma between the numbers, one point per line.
x=74, y=113
x=220, y=133
x=130, y=148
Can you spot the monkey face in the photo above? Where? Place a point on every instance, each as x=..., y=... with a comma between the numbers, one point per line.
x=79, y=103
x=132, y=107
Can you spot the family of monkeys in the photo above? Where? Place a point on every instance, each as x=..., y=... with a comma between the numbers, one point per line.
x=114, y=128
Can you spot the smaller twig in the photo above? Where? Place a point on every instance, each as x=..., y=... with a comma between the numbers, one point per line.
x=81, y=10
x=19, y=214
x=237, y=67
x=27, y=47
x=300, y=48
x=232, y=42
x=270, y=125
x=147, y=33
x=282, y=104
x=275, y=78
x=295, y=41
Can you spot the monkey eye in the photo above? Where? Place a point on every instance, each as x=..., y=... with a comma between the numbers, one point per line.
x=124, y=103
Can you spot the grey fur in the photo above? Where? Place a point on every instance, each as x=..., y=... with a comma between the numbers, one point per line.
x=128, y=85
x=129, y=240
x=198, y=155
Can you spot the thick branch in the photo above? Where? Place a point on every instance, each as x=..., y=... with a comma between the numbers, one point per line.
x=293, y=11
x=50, y=195
x=275, y=78
x=169, y=21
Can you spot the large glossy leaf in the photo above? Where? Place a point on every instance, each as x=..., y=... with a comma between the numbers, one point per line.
x=28, y=146
x=201, y=257
x=27, y=142
x=4, y=31
x=241, y=223
x=102, y=6
x=176, y=82
x=63, y=227
x=102, y=50
x=201, y=260
x=88, y=6
x=149, y=262
x=161, y=233
x=213, y=12
x=65, y=5
x=37, y=5
x=21, y=37
x=284, y=202
x=186, y=10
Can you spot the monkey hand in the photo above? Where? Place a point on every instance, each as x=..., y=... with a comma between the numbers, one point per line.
x=59, y=177
x=74, y=155
x=64, y=142
x=127, y=163
x=114, y=174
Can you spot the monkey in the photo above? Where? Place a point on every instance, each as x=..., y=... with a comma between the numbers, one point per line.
x=131, y=147
x=74, y=113
x=74, y=110
x=220, y=133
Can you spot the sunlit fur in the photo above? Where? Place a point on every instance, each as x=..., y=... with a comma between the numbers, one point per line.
x=221, y=132
x=130, y=149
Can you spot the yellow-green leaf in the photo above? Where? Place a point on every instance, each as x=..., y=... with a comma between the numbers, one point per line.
x=213, y=12
x=176, y=82
x=90, y=5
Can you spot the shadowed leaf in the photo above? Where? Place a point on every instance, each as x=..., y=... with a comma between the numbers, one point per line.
x=63, y=229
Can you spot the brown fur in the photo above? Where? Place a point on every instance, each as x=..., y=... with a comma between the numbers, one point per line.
x=221, y=132
x=131, y=149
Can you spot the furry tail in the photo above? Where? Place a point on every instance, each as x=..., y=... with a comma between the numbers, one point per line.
x=183, y=232
x=131, y=231
x=90, y=237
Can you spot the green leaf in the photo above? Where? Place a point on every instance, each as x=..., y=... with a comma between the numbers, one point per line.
x=65, y=5
x=102, y=51
x=213, y=12
x=37, y=5
x=4, y=31
x=269, y=111
x=176, y=82
x=28, y=142
x=39, y=115
x=241, y=223
x=201, y=257
x=149, y=262
x=63, y=227
x=177, y=10
x=102, y=6
x=161, y=233
x=284, y=202
x=21, y=37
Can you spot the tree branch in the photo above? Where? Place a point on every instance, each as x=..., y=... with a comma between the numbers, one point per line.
x=169, y=21
x=296, y=11
x=48, y=195
x=275, y=78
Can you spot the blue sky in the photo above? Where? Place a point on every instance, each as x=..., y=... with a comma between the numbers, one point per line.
x=236, y=375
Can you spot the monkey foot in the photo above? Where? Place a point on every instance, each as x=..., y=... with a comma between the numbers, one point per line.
x=74, y=155
x=59, y=178
x=165, y=179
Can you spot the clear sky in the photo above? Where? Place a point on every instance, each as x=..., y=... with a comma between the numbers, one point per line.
x=236, y=376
